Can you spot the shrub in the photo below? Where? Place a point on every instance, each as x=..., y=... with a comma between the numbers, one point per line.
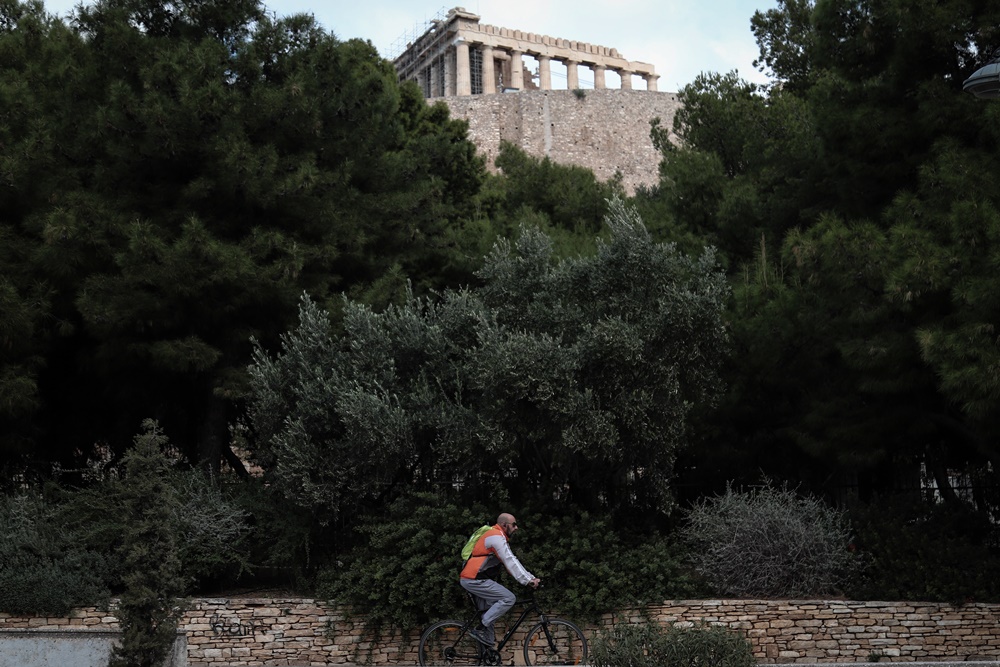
x=923, y=551
x=405, y=572
x=591, y=569
x=285, y=541
x=69, y=548
x=211, y=527
x=769, y=543
x=42, y=569
x=649, y=645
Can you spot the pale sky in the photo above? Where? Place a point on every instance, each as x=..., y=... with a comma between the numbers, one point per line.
x=681, y=38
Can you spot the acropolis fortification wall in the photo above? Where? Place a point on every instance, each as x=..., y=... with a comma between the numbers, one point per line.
x=606, y=131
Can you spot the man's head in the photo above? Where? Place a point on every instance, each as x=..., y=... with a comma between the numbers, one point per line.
x=507, y=523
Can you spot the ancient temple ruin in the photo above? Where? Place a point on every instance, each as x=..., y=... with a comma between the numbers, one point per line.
x=459, y=56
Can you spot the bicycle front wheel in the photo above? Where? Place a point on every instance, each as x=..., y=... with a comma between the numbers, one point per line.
x=555, y=642
x=448, y=643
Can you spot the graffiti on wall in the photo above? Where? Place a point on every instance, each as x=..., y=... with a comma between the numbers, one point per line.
x=225, y=627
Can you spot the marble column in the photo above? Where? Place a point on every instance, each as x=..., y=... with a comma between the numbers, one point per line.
x=651, y=81
x=489, y=73
x=516, y=70
x=432, y=80
x=544, y=72
x=463, y=76
x=449, y=74
x=440, y=76
x=598, y=76
x=572, y=74
x=626, y=79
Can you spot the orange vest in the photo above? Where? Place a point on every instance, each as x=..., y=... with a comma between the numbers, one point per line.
x=480, y=561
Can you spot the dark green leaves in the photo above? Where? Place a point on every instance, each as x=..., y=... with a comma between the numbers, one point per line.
x=172, y=176
x=571, y=379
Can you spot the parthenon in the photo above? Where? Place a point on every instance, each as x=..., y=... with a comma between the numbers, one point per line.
x=459, y=56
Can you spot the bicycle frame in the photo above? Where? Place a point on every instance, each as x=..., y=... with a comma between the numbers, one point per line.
x=541, y=641
x=520, y=619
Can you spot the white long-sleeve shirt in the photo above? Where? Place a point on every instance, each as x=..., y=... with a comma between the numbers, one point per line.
x=499, y=545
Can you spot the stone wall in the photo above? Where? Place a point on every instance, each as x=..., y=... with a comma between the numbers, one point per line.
x=843, y=631
x=603, y=130
x=237, y=632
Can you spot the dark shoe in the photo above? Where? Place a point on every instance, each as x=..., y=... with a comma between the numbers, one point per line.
x=481, y=637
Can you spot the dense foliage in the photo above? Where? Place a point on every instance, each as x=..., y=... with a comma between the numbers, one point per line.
x=403, y=573
x=42, y=568
x=562, y=385
x=569, y=380
x=174, y=175
x=852, y=202
x=147, y=534
x=148, y=607
x=566, y=201
x=912, y=551
x=652, y=645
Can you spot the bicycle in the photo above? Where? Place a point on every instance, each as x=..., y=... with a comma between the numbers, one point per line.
x=551, y=641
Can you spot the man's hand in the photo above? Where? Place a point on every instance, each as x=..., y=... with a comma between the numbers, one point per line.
x=535, y=583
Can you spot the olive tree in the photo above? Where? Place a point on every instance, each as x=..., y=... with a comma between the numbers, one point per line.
x=564, y=379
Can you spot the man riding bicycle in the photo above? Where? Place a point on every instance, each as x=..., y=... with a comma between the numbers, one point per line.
x=490, y=552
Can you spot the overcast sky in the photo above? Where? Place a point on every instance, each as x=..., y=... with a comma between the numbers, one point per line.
x=681, y=38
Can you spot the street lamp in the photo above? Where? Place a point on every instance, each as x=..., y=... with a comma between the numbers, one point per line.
x=985, y=81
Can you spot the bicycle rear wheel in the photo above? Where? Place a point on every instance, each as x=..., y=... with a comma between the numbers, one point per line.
x=448, y=643
x=555, y=642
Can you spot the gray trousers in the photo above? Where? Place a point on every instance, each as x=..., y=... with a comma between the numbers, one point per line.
x=491, y=597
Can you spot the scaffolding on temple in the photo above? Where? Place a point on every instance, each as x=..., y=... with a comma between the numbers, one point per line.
x=409, y=37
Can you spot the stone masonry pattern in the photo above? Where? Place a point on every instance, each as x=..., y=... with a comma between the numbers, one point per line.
x=293, y=631
x=606, y=131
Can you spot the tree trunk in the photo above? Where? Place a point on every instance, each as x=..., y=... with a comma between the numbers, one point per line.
x=212, y=438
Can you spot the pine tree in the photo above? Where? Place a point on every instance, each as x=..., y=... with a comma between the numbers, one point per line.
x=174, y=175
x=864, y=234
x=149, y=607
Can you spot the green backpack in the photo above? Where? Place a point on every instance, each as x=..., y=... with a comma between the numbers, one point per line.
x=471, y=544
